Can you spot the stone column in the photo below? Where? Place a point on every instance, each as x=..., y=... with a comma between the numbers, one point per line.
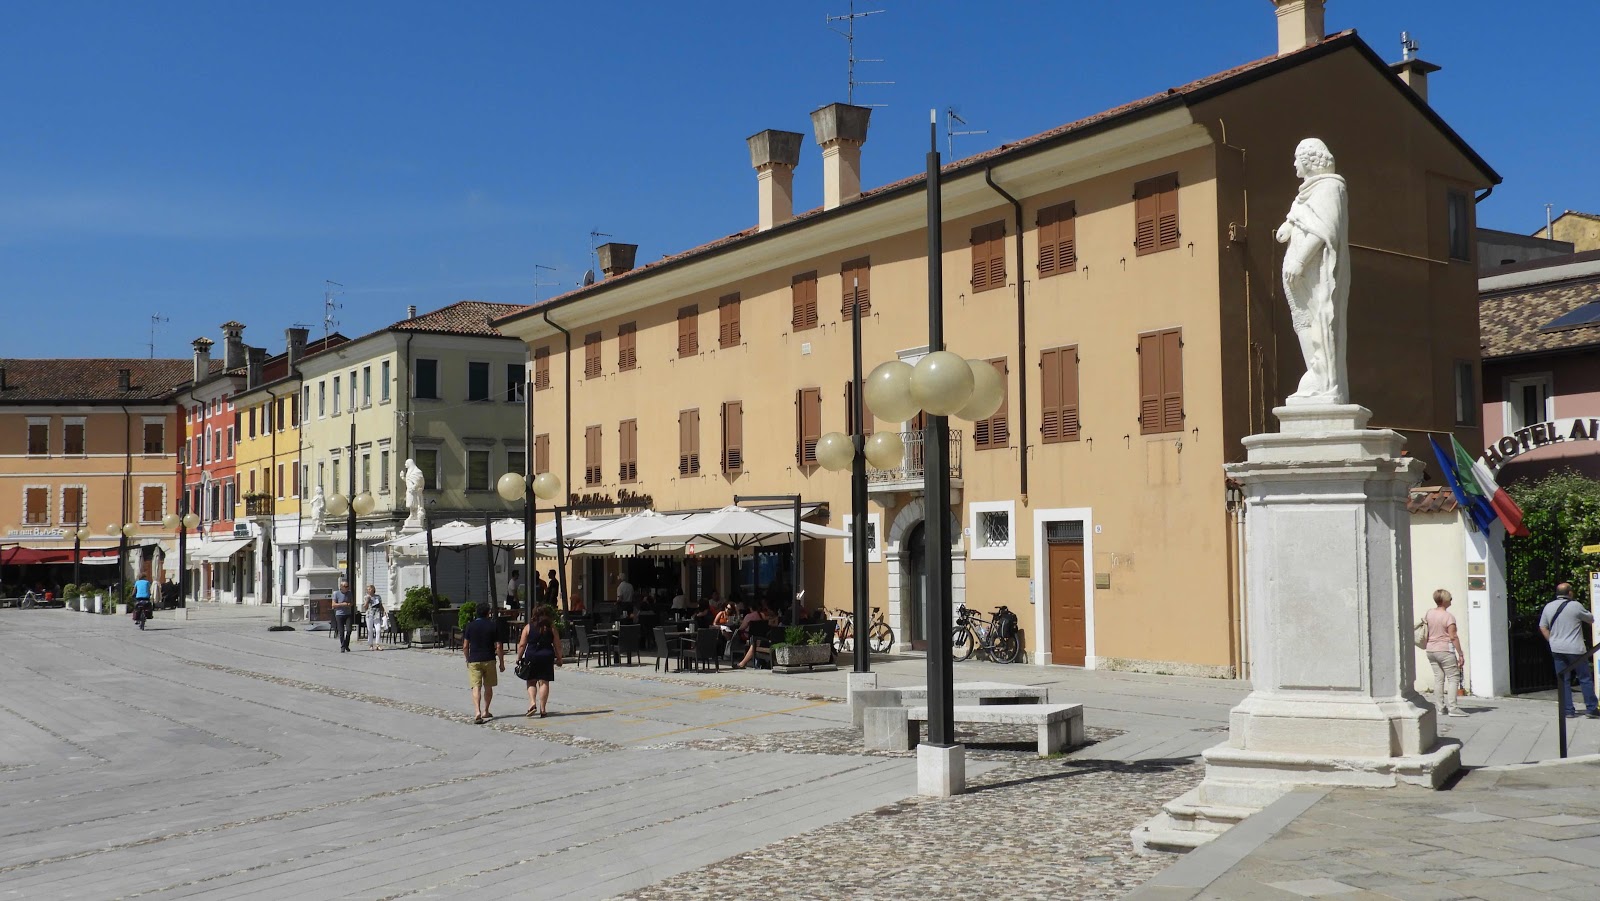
x=1328, y=566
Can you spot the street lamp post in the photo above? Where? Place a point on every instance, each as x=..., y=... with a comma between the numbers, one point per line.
x=78, y=535
x=123, y=533
x=514, y=486
x=350, y=506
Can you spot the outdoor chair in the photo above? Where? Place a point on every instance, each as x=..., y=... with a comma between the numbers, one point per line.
x=668, y=649
x=581, y=645
x=628, y=641
x=705, y=648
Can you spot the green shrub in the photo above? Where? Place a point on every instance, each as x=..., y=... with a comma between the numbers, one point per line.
x=416, y=610
x=1562, y=511
x=468, y=611
x=69, y=591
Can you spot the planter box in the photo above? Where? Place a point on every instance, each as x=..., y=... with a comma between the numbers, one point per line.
x=801, y=655
x=122, y=609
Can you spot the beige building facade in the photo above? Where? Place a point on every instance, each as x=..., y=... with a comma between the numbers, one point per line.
x=1138, y=323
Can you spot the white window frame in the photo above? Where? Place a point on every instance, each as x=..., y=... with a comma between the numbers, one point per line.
x=159, y=513
x=438, y=462
x=383, y=383
x=61, y=494
x=976, y=550
x=874, y=538
x=335, y=411
x=1512, y=400
x=37, y=421
x=22, y=506
x=78, y=421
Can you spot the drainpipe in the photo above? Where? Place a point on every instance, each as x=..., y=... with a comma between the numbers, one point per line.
x=405, y=434
x=1485, y=196
x=1022, y=339
x=567, y=384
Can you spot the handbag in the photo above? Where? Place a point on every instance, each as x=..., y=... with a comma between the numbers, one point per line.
x=524, y=668
x=1420, y=632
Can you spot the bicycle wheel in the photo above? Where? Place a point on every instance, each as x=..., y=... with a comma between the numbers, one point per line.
x=961, y=643
x=880, y=638
x=844, y=640
x=1006, y=649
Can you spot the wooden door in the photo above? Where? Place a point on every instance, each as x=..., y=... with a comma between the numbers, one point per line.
x=1068, y=626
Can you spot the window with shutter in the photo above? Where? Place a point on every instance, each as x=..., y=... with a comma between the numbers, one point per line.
x=541, y=453
x=855, y=278
x=1058, y=395
x=995, y=432
x=35, y=506
x=72, y=509
x=627, y=346
x=728, y=321
x=591, y=355
x=803, y=293
x=1058, y=239
x=688, y=442
x=151, y=497
x=155, y=438
x=988, y=257
x=591, y=455
x=688, y=331
x=1155, y=214
x=72, y=438
x=1161, y=381
x=733, y=437
x=628, y=450
x=808, y=425
x=541, y=368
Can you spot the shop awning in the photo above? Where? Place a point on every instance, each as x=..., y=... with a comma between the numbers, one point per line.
x=25, y=556
x=217, y=551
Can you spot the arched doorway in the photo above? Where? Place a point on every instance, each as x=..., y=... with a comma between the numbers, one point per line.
x=915, y=580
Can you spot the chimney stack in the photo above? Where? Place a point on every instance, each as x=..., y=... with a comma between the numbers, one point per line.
x=294, y=340
x=124, y=380
x=411, y=311
x=1414, y=72
x=774, y=154
x=255, y=358
x=202, y=359
x=841, y=129
x=232, y=345
x=1299, y=24
x=615, y=258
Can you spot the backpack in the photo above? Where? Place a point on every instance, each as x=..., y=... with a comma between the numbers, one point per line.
x=1005, y=623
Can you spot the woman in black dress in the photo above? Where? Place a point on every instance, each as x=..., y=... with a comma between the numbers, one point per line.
x=541, y=648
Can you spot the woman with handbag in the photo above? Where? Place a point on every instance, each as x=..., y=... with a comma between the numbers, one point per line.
x=375, y=623
x=538, y=654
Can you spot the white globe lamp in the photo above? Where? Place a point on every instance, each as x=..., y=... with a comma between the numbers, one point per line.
x=338, y=504
x=835, y=452
x=364, y=503
x=546, y=486
x=511, y=486
x=988, y=391
x=887, y=392
x=885, y=450
x=941, y=382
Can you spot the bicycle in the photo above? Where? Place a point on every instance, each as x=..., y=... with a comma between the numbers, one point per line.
x=974, y=633
x=880, y=637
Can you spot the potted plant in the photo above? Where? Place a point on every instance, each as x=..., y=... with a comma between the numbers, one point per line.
x=416, y=613
x=801, y=647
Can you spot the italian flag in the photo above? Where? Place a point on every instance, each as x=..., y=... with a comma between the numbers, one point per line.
x=1477, y=480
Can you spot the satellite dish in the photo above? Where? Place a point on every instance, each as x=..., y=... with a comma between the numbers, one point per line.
x=588, y=278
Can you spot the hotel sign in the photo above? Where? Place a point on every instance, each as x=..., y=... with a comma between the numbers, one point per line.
x=38, y=534
x=1540, y=434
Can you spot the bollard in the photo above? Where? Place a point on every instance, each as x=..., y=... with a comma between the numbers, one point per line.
x=98, y=600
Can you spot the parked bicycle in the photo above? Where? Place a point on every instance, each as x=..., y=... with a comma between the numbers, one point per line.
x=995, y=638
x=880, y=637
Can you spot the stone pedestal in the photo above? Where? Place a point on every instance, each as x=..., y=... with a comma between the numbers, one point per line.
x=941, y=770
x=1329, y=606
x=319, y=572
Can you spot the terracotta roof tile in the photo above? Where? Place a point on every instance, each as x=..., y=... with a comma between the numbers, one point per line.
x=1510, y=322
x=464, y=317
x=94, y=381
x=1431, y=499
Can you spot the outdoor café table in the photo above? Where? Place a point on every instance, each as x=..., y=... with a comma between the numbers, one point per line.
x=674, y=637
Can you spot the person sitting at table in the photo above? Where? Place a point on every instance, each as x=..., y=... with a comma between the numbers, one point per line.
x=680, y=602
x=703, y=616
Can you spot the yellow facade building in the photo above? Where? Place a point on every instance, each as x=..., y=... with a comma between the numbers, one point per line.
x=1120, y=271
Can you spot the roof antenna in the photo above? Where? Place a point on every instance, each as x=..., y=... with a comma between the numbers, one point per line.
x=849, y=35
x=328, y=306
x=1549, y=223
x=1408, y=46
x=951, y=119
x=155, y=318
x=594, y=254
x=538, y=280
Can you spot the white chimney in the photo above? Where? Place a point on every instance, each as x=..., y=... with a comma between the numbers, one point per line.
x=1411, y=70
x=841, y=129
x=774, y=154
x=1299, y=24
x=202, y=359
x=233, y=345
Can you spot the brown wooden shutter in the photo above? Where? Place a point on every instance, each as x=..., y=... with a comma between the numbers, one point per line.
x=1058, y=239
x=541, y=454
x=1155, y=214
x=1070, y=421
x=803, y=291
x=35, y=506
x=1167, y=214
x=688, y=331
x=733, y=437
x=1172, y=380
x=72, y=506
x=591, y=355
x=1050, y=362
x=628, y=451
x=995, y=432
x=627, y=346
x=150, y=503
x=541, y=368
x=1149, y=383
x=688, y=442
x=683, y=442
x=855, y=279
x=988, y=256
x=591, y=455
x=808, y=425
x=728, y=320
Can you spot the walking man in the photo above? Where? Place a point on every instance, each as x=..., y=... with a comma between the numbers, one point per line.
x=344, y=611
x=481, y=645
x=1562, y=624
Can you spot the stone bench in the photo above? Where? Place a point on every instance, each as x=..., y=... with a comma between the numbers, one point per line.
x=984, y=693
x=1060, y=726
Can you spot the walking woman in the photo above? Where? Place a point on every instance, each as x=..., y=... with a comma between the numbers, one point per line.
x=538, y=655
x=373, y=607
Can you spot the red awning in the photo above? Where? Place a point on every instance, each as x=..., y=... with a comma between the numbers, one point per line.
x=24, y=556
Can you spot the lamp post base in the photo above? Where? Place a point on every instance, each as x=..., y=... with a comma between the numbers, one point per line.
x=941, y=770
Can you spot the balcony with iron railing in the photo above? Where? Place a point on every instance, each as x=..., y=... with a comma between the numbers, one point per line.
x=908, y=475
x=258, y=505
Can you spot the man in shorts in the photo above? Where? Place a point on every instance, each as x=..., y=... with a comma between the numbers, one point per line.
x=481, y=645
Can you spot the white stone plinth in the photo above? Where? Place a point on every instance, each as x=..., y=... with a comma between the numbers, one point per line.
x=1328, y=563
x=941, y=770
x=855, y=681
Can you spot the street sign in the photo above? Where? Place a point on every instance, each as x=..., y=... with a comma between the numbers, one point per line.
x=1591, y=549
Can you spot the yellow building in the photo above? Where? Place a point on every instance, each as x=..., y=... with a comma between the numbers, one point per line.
x=1121, y=273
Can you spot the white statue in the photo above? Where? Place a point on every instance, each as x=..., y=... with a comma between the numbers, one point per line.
x=1316, y=274
x=318, y=505
x=414, y=480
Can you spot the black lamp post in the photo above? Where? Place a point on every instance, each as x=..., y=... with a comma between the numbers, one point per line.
x=349, y=506
x=936, y=485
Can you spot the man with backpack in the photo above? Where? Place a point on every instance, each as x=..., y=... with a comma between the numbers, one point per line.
x=1562, y=625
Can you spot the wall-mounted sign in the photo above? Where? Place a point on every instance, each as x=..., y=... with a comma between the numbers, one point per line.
x=1476, y=569
x=1024, y=566
x=1540, y=434
x=40, y=534
x=1102, y=580
x=1477, y=583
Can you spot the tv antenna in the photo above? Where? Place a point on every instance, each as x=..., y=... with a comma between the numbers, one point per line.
x=594, y=254
x=155, y=319
x=329, y=305
x=1408, y=46
x=538, y=280
x=849, y=35
x=951, y=120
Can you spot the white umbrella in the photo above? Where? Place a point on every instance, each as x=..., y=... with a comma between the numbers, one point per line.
x=418, y=543
x=736, y=528
x=642, y=528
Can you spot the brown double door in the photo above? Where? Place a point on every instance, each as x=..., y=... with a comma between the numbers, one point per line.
x=1068, y=623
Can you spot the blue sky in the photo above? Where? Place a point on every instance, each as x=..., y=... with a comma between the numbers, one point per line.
x=208, y=161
